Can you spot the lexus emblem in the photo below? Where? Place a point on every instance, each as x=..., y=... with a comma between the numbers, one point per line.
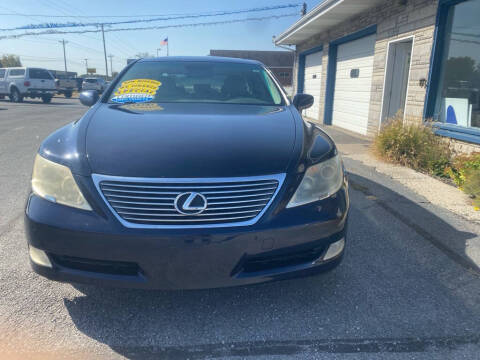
x=190, y=203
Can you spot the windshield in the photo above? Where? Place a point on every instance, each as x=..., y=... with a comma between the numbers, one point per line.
x=182, y=81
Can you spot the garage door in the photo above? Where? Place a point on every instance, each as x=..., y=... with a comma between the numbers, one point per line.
x=312, y=81
x=353, y=80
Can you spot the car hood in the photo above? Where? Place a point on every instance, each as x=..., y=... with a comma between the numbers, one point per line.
x=190, y=140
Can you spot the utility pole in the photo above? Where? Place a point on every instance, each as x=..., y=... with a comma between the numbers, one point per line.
x=111, y=66
x=64, y=55
x=86, y=66
x=104, y=51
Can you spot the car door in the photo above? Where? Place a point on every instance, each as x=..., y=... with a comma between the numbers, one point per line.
x=3, y=82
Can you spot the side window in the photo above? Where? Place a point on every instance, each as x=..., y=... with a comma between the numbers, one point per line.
x=39, y=74
x=2, y=73
x=16, y=72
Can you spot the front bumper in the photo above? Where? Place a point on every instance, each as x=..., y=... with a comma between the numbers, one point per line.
x=93, y=247
x=40, y=92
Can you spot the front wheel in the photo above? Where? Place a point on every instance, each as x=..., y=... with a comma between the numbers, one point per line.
x=46, y=99
x=15, y=96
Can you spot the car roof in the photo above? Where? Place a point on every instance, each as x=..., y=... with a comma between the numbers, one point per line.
x=212, y=59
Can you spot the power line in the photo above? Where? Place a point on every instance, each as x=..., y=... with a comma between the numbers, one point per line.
x=157, y=27
x=136, y=21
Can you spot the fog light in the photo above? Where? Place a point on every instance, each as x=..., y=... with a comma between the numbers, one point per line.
x=334, y=249
x=39, y=257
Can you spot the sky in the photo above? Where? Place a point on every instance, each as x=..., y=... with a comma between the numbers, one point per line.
x=47, y=51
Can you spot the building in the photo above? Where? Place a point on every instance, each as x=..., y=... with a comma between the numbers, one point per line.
x=279, y=62
x=365, y=61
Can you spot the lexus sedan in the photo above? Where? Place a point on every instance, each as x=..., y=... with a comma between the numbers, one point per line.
x=188, y=172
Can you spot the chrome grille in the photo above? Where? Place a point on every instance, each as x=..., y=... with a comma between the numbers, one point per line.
x=147, y=202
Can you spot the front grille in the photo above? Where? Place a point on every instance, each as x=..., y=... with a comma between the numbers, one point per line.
x=146, y=202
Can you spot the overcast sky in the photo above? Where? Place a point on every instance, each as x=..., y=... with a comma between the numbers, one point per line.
x=46, y=50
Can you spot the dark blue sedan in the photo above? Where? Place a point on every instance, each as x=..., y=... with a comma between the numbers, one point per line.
x=192, y=172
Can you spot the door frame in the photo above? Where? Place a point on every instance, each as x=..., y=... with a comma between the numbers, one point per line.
x=332, y=67
x=391, y=42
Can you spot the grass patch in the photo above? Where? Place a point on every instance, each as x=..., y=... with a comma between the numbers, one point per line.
x=414, y=146
x=417, y=147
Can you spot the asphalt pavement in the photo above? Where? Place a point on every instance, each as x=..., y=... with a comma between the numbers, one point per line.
x=405, y=290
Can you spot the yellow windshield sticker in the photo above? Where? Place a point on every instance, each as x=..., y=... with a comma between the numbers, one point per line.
x=137, y=90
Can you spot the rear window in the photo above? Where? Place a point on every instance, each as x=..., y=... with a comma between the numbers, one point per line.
x=39, y=74
x=16, y=72
x=197, y=81
x=91, y=81
x=2, y=73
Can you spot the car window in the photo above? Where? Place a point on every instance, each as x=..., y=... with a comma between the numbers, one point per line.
x=196, y=81
x=2, y=73
x=16, y=72
x=91, y=81
x=39, y=74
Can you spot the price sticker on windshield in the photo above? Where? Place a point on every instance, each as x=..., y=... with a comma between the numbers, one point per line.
x=137, y=91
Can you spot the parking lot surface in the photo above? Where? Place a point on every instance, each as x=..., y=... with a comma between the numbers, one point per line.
x=403, y=291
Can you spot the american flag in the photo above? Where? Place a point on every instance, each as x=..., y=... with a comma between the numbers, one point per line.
x=165, y=41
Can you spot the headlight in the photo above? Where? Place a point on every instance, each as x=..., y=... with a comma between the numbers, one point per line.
x=319, y=182
x=55, y=182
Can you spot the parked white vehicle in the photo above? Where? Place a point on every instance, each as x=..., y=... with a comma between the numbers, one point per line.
x=20, y=82
x=94, y=84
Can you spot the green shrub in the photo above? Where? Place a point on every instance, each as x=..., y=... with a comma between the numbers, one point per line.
x=461, y=165
x=471, y=185
x=412, y=145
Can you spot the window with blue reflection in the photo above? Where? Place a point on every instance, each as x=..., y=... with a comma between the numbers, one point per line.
x=458, y=97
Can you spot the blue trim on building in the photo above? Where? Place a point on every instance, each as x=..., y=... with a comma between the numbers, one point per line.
x=332, y=68
x=457, y=132
x=330, y=88
x=301, y=66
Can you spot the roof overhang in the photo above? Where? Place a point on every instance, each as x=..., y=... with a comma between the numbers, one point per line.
x=323, y=17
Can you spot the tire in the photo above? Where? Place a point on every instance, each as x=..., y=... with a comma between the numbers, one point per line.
x=46, y=99
x=68, y=94
x=15, y=96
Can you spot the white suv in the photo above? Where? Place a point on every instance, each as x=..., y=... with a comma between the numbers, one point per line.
x=18, y=83
x=94, y=84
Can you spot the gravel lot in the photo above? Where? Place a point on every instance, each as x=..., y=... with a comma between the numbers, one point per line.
x=406, y=289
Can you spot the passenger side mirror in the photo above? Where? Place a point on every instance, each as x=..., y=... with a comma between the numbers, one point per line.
x=89, y=97
x=302, y=101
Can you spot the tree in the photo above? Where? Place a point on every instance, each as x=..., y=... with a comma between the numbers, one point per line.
x=10, y=61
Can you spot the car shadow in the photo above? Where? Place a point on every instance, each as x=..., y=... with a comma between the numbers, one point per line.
x=394, y=291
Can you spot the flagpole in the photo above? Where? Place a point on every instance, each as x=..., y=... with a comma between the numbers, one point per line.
x=167, y=46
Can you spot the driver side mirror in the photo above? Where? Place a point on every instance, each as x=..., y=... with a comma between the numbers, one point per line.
x=89, y=97
x=302, y=101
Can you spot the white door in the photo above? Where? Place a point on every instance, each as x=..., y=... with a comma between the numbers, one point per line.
x=312, y=82
x=396, y=82
x=353, y=80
